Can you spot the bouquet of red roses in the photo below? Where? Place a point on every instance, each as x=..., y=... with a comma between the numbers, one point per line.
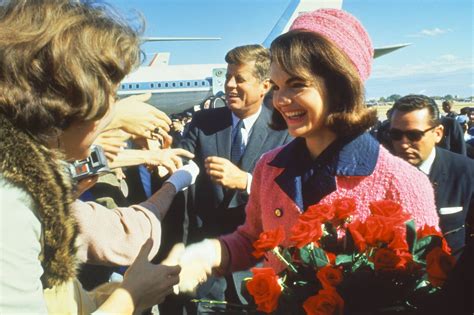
x=338, y=265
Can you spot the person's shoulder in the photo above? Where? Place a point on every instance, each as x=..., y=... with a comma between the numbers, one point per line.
x=395, y=165
x=206, y=114
x=455, y=160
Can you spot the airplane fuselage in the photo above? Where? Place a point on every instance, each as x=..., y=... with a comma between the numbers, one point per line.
x=170, y=93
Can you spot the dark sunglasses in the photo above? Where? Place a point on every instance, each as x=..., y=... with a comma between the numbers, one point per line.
x=412, y=135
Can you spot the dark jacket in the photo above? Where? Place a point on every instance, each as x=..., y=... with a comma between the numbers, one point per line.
x=210, y=135
x=452, y=176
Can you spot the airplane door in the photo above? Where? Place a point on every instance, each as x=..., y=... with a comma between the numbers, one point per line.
x=218, y=80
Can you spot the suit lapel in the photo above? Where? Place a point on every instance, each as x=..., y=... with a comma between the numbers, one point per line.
x=256, y=142
x=438, y=173
x=224, y=137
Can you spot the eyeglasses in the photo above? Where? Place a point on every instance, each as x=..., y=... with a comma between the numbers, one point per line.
x=412, y=135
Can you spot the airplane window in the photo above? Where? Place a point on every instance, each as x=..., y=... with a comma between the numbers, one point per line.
x=180, y=83
x=123, y=86
x=195, y=83
x=152, y=85
x=174, y=84
x=188, y=83
x=129, y=86
x=166, y=84
x=203, y=83
x=137, y=86
x=159, y=85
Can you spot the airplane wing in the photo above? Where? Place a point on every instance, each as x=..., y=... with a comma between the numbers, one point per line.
x=169, y=39
x=387, y=49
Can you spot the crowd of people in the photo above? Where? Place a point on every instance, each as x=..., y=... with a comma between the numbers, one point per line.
x=183, y=198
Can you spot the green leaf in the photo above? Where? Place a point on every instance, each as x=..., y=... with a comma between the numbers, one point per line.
x=319, y=257
x=422, y=284
x=343, y=259
x=305, y=255
x=411, y=235
x=359, y=263
x=425, y=245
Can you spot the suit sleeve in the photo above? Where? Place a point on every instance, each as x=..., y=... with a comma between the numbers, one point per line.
x=114, y=236
x=189, y=141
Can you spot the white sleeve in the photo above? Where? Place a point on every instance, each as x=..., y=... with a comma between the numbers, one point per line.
x=21, y=290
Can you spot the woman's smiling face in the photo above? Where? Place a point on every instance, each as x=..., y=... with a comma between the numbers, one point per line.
x=300, y=101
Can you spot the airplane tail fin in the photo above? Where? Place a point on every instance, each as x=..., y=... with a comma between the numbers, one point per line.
x=161, y=58
x=294, y=8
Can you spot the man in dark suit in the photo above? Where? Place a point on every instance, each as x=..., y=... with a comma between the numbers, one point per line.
x=227, y=143
x=415, y=129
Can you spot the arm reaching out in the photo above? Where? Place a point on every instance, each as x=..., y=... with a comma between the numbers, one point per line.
x=135, y=116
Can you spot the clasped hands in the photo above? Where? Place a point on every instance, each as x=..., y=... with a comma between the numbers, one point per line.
x=196, y=262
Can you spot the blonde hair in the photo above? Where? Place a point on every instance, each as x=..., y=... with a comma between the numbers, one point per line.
x=61, y=61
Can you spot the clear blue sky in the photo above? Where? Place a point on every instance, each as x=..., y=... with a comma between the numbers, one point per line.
x=439, y=61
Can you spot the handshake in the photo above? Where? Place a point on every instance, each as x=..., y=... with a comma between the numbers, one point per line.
x=196, y=262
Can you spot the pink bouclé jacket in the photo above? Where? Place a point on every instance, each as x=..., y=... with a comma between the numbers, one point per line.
x=364, y=171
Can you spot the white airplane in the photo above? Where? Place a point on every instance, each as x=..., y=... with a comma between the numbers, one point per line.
x=179, y=88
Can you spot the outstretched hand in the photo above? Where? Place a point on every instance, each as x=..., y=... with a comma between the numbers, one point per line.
x=197, y=262
x=135, y=116
x=149, y=284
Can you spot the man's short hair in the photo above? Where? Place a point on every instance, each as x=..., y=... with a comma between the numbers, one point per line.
x=248, y=53
x=447, y=103
x=411, y=103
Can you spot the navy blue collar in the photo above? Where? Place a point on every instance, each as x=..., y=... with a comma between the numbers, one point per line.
x=355, y=156
x=351, y=157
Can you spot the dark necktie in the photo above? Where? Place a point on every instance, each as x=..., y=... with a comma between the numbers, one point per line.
x=236, y=148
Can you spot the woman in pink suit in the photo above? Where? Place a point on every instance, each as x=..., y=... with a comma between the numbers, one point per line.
x=317, y=70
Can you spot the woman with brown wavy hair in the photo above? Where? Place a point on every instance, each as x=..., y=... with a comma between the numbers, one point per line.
x=317, y=71
x=60, y=64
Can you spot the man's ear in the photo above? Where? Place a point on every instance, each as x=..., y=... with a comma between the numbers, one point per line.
x=439, y=132
x=266, y=86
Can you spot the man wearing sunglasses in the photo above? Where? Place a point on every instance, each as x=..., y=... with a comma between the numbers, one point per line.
x=414, y=131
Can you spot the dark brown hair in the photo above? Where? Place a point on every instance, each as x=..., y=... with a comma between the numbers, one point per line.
x=414, y=102
x=248, y=53
x=60, y=61
x=310, y=55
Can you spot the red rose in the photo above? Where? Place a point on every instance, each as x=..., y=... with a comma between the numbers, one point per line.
x=326, y=302
x=265, y=289
x=427, y=230
x=305, y=232
x=438, y=265
x=389, y=209
x=357, y=230
x=331, y=258
x=318, y=212
x=399, y=241
x=378, y=230
x=329, y=277
x=268, y=240
x=387, y=260
x=344, y=208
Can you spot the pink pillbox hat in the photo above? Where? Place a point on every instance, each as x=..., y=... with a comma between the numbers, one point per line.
x=345, y=31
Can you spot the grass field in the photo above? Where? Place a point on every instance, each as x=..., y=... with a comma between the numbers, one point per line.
x=382, y=109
